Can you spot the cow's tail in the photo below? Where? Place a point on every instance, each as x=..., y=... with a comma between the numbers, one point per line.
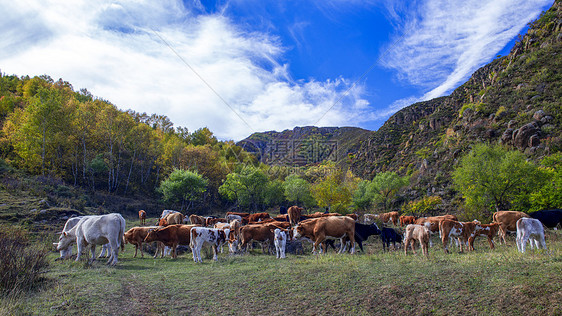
x=191, y=239
x=494, y=217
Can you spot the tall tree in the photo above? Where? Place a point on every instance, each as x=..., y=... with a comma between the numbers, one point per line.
x=384, y=187
x=183, y=188
x=490, y=175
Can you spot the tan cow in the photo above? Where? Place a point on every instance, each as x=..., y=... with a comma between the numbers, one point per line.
x=136, y=236
x=421, y=234
x=318, y=229
x=460, y=230
x=432, y=223
x=197, y=220
x=507, y=221
x=488, y=230
x=294, y=212
x=390, y=217
x=174, y=218
x=407, y=220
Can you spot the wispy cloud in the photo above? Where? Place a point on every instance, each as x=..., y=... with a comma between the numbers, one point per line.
x=445, y=41
x=115, y=49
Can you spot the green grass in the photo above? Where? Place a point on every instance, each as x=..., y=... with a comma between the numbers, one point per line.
x=492, y=282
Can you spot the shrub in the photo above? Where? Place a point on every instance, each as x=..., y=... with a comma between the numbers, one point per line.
x=21, y=263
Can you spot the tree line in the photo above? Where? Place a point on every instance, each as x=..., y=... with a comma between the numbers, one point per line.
x=49, y=129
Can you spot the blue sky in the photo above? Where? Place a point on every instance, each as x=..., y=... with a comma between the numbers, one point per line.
x=240, y=67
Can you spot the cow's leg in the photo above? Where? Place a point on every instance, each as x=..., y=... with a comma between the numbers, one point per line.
x=542, y=241
x=194, y=252
x=444, y=240
x=491, y=242
x=413, y=243
x=140, y=246
x=215, y=252
x=524, y=240
x=93, y=252
x=283, y=245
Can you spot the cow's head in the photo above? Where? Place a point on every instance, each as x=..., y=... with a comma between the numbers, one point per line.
x=375, y=229
x=298, y=231
x=152, y=235
x=65, y=240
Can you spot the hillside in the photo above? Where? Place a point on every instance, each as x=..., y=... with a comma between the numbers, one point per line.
x=305, y=145
x=515, y=100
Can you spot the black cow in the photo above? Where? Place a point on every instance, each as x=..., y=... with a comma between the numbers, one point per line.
x=549, y=218
x=389, y=235
x=362, y=232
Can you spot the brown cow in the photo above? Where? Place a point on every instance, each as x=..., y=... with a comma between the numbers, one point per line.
x=489, y=230
x=197, y=220
x=136, y=236
x=294, y=212
x=318, y=229
x=256, y=217
x=171, y=236
x=282, y=218
x=260, y=233
x=238, y=213
x=142, y=217
x=211, y=221
x=421, y=234
x=507, y=221
x=406, y=220
x=390, y=217
x=461, y=230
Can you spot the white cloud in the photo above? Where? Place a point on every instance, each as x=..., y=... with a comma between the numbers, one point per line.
x=442, y=42
x=116, y=50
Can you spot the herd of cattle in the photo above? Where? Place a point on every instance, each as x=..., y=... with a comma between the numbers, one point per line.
x=240, y=230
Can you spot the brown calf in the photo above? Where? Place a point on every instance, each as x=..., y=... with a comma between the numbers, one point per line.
x=142, y=217
x=488, y=230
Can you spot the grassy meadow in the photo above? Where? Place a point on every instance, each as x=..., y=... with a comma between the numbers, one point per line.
x=497, y=282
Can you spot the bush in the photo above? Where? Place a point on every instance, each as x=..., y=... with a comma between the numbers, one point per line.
x=21, y=263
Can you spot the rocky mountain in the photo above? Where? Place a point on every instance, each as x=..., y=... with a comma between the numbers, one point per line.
x=515, y=100
x=305, y=145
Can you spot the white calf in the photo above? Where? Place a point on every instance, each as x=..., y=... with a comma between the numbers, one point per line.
x=529, y=228
x=280, y=241
x=203, y=235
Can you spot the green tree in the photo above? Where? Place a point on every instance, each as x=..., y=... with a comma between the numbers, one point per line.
x=274, y=193
x=297, y=191
x=333, y=192
x=246, y=187
x=363, y=196
x=549, y=194
x=384, y=187
x=203, y=136
x=492, y=177
x=183, y=187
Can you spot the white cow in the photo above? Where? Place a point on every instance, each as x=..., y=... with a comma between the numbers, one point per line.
x=230, y=217
x=71, y=222
x=95, y=230
x=529, y=228
x=204, y=235
x=280, y=241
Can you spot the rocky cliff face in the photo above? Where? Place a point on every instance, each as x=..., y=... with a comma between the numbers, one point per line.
x=515, y=100
x=305, y=145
